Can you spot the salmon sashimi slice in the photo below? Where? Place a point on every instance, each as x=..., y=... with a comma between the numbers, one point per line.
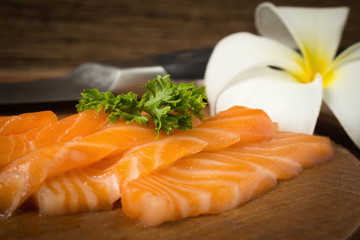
x=68, y=193
x=302, y=149
x=24, y=122
x=92, y=188
x=286, y=154
x=67, y=129
x=206, y=183
x=22, y=176
x=217, y=181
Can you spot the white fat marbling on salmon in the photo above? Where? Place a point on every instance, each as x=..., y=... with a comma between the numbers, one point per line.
x=72, y=202
x=173, y=197
x=11, y=188
x=113, y=189
x=51, y=196
x=69, y=129
x=285, y=167
x=6, y=124
x=14, y=145
x=133, y=172
x=11, y=138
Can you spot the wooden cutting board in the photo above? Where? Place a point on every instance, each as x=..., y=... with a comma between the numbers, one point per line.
x=323, y=202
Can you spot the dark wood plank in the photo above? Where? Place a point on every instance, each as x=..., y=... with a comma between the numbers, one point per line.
x=39, y=35
x=323, y=202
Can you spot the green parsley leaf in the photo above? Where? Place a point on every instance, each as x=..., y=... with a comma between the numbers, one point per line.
x=170, y=106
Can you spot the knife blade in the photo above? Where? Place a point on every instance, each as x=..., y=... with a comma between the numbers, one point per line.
x=117, y=76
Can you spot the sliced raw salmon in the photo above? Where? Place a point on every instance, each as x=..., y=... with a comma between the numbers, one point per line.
x=24, y=122
x=94, y=188
x=22, y=176
x=98, y=186
x=67, y=129
x=205, y=183
x=302, y=149
x=286, y=154
x=213, y=182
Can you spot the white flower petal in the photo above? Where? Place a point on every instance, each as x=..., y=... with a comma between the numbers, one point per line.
x=352, y=53
x=343, y=98
x=293, y=105
x=241, y=51
x=316, y=31
x=270, y=23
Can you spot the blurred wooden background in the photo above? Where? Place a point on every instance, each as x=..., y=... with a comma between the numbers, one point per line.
x=40, y=38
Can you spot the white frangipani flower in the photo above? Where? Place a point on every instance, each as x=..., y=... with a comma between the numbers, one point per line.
x=290, y=70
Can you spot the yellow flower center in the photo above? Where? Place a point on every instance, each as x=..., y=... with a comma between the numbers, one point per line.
x=312, y=64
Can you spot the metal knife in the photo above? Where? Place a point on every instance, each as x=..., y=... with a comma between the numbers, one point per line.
x=114, y=75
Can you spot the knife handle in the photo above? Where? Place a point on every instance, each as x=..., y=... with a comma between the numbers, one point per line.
x=185, y=64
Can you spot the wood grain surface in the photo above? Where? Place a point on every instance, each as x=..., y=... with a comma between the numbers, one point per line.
x=323, y=202
x=40, y=39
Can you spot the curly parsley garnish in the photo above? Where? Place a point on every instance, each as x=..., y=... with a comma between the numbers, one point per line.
x=170, y=106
